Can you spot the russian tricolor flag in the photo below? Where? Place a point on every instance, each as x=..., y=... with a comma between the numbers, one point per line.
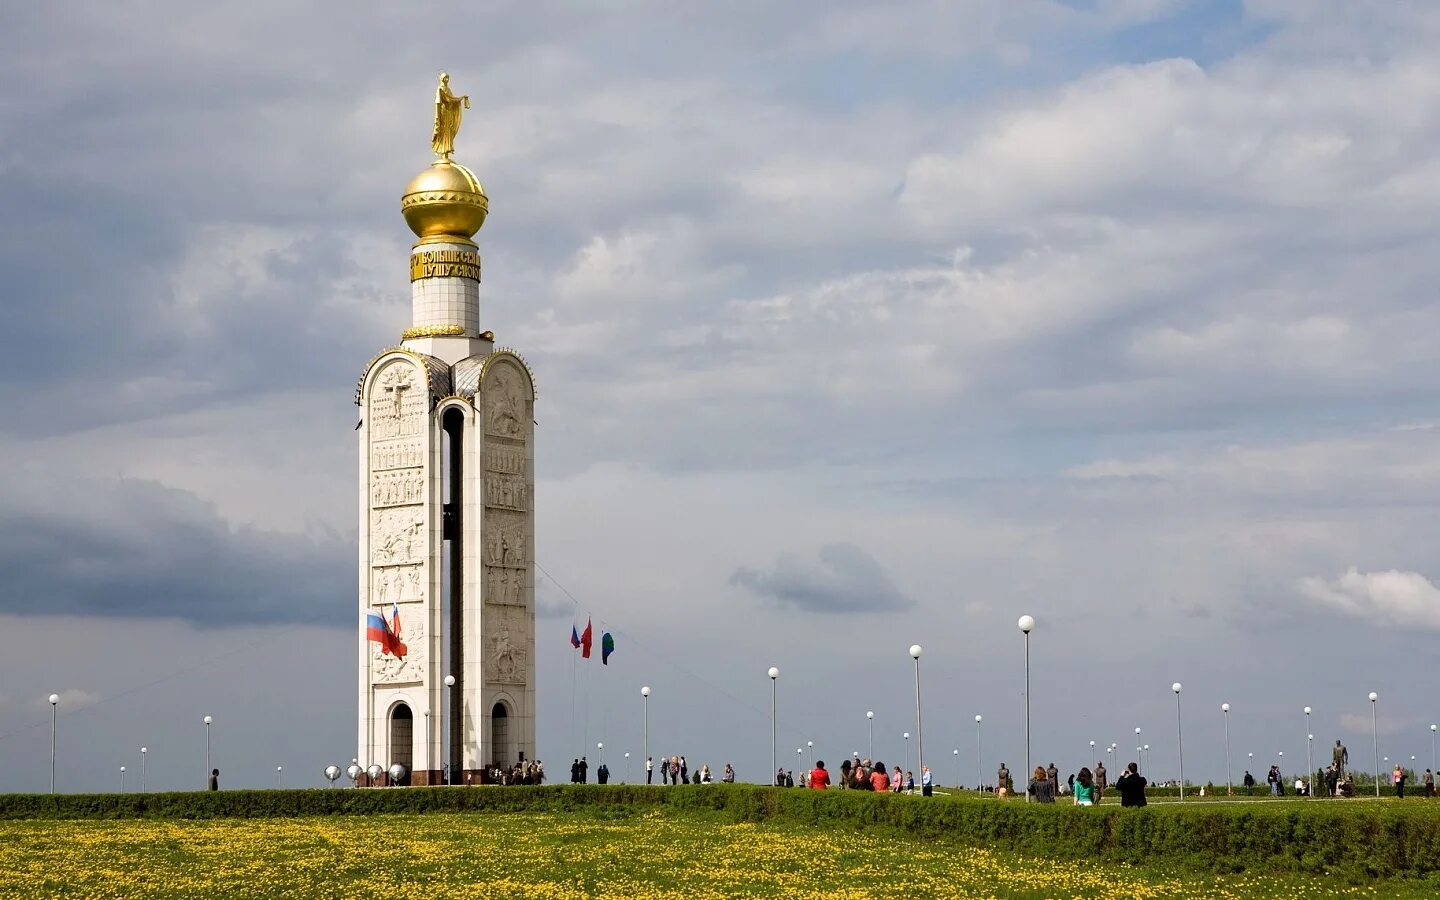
x=386, y=634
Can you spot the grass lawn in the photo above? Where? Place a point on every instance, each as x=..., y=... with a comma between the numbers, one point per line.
x=590, y=853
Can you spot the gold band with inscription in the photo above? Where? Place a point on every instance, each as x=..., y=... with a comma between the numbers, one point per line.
x=445, y=264
x=420, y=331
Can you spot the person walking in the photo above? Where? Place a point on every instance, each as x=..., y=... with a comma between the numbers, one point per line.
x=1249, y=783
x=729, y=776
x=649, y=768
x=1429, y=783
x=1041, y=787
x=1086, y=791
x=1131, y=786
x=674, y=770
x=845, y=773
x=819, y=778
x=926, y=782
x=1397, y=778
x=215, y=781
x=584, y=770
x=684, y=770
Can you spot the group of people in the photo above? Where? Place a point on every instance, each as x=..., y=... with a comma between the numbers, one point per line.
x=861, y=775
x=1046, y=780
x=675, y=770
x=523, y=772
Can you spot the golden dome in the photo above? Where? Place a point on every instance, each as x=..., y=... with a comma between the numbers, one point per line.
x=444, y=202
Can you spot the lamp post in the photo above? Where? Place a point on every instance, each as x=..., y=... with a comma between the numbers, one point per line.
x=1027, y=624
x=143, y=751
x=1092, y=751
x=871, y=716
x=1179, y=739
x=628, y=772
x=1432, y=746
x=979, y=764
x=280, y=777
x=122, y=779
x=1225, y=708
x=452, y=754
x=799, y=758
x=956, y=753
x=600, y=751
x=54, y=721
x=208, y=722
x=774, y=674
x=1139, y=750
x=645, y=723
x=1145, y=756
x=1309, y=751
x=811, y=745
x=919, y=728
x=906, y=735
x=1375, y=741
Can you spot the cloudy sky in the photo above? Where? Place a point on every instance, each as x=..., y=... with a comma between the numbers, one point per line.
x=853, y=326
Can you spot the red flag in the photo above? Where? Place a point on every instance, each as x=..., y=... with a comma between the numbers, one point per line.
x=586, y=639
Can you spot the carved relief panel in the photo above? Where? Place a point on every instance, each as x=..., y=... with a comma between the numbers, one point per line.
x=507, y=644
x=398, y=413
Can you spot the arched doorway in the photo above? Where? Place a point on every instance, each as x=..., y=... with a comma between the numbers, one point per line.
x=402, y=739
x=500, y=735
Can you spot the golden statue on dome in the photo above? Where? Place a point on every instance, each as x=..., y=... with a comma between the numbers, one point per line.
x=447, y=118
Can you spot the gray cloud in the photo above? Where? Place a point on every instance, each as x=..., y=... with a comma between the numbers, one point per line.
x=136, y=549
x=847, y=580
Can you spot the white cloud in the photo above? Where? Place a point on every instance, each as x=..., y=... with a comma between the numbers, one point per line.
x=1390, y=598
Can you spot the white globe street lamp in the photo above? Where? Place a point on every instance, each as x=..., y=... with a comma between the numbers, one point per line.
x=1309, y=755
x=54, y=720
x=208, y=722
x=1375, y=741
x=1179, y=739
x=280, y=776
x=451, y=752
x=919, y=728
x=645, y=729
x=906, y=735
x=811, y=746
x=870, y=715
x=956, y=753
x=332, y=773
x=1225, y=708
x=1027, y=625
x=122, y=779
x=143, y=752
x=774, y=674
x=979, y=764
x=1432, y=746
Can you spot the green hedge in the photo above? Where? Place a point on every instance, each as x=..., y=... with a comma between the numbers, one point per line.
x=1354, y=839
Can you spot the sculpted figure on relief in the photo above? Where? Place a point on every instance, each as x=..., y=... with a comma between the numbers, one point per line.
x=508, y=652
x=506, y=396
x=396, y=536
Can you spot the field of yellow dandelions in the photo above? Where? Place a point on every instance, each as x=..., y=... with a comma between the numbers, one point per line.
x=539, y=855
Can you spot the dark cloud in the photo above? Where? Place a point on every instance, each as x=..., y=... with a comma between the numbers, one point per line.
x=136, y=549
x=847, y=580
